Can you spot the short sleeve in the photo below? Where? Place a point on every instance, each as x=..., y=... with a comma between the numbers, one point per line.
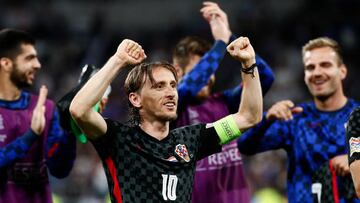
x=209, y=142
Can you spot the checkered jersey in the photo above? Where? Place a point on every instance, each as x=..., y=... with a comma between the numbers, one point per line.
x=328, y=187
x=140, y=168
x=310, y=139
x=353, y=135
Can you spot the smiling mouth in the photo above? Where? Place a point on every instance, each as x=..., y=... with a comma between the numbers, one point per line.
x=170, y=104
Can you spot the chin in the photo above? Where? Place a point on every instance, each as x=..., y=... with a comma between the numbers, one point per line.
x=322, y=96
x=170, y=117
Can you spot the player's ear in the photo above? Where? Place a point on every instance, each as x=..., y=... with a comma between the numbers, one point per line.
x=6, y=63
x=343, y=71
x=135, y=99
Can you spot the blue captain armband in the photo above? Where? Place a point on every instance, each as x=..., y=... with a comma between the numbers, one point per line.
x=227, y=129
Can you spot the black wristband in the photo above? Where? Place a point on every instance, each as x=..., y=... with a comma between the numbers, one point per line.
x=249, y=70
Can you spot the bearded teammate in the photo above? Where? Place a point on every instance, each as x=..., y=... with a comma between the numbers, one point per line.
x=31, y=140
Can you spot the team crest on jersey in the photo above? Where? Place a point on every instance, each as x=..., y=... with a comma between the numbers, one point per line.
x=181, y=150
x=354, y=143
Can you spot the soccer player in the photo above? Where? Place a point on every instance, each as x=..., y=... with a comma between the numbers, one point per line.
x=31, y=140
x=311, y=133
x=147, y=162
x=219, y=178
x=353, y=138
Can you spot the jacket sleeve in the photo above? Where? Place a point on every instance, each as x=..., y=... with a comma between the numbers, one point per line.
x=265, y=136
x=60, y=150
x=17, y=149
x=198, y=77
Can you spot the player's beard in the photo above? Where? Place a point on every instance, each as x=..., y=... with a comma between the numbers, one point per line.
x=19, y=78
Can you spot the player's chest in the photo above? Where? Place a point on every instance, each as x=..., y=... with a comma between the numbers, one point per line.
x=13, y=123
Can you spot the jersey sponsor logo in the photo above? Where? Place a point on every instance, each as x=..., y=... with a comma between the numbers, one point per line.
x=181, y=150
x=354, y=143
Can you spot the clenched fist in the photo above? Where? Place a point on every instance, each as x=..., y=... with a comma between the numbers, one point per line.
x=242, y=50
x=130, y=52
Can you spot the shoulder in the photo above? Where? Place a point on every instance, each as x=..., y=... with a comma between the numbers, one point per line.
x=355, y=114
x=116, y=126
x=189, y=130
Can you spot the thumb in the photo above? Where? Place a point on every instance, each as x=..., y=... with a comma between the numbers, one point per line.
x=297, y=110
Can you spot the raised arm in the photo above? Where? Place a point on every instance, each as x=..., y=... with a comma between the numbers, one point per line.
x=193, y=81
x=251, y=105
x=90, y=121
x=250, y=108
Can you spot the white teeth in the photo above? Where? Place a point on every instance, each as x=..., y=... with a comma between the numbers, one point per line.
x=318, y=82
x=170, y=104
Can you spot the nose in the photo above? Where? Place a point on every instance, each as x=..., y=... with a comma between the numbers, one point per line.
x=317, y=70
x=171, y=92
x=37, y=64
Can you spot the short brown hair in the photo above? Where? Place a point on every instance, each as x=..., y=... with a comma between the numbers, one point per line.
x=189, y=46
x=324, y=42
x=136, y=79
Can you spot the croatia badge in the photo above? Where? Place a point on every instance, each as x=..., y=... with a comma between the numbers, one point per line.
x=181, y=150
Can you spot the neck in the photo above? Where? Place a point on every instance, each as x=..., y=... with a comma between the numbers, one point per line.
x=156, y=129
x=8, y=91
x=332, y=103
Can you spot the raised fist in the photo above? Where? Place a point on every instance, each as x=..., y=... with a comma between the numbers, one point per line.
x=130, y=52
x=242, y=50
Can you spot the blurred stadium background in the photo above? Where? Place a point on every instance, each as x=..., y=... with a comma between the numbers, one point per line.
x=72, y=33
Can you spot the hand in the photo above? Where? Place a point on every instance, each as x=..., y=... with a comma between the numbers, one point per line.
x=218, y=21
x=341, y=165
x=130, y=52
x=38, y=114
x=283, y=110
x=242, y=50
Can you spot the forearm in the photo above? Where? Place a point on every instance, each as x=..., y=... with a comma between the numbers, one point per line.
x=95, y=88
x=17, y=149
x=250, y=108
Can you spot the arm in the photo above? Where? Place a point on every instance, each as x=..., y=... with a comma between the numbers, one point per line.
x=273, y=131
x=90, y=121
x=17, y=149
x=193, y=81
x=232, y=96
x=264, y=136
x=250, y=108
x=60, y=150
x=197, y=78
x=352, y=134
